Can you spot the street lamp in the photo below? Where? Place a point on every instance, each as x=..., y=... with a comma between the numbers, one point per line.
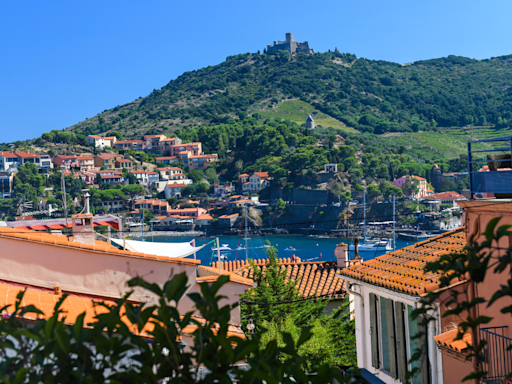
x=251, y=326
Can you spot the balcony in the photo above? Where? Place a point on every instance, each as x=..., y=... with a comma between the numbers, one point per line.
x=490, y=169
x=497, y=355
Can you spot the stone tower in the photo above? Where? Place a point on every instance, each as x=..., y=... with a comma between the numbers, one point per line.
x=310, y=123
x=289, y=37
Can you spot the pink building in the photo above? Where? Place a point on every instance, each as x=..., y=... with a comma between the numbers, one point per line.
x=422, y=185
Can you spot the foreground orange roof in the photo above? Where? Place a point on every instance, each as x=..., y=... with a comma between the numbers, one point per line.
x=99, y=246
x=403, y=270
x=315, y=278
x=75, y=304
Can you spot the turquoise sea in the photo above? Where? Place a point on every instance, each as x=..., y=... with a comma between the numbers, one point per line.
x=307, y=248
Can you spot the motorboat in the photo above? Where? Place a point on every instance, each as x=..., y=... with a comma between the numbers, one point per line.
x=265, y=246
x=222, y=248
x=373, y=246
x=221, y=257
x=241, y=248
x=290, y=249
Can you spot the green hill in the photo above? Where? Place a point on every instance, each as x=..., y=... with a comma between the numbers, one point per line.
x=339, y=90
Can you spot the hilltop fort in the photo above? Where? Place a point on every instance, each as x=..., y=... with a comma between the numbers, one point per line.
x=290, y=46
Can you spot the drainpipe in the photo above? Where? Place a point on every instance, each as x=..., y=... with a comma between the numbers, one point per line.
x=474, y=336
x=361, y=353
x=432, y=351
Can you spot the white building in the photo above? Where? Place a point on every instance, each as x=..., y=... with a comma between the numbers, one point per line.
x=101, y=142
x=174, y=190
x=256, y=183
x=384, y=291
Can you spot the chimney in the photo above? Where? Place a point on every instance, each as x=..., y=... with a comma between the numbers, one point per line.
x=341, y=253
x=83, y=232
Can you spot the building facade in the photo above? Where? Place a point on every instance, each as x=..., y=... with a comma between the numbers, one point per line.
x=290, y=46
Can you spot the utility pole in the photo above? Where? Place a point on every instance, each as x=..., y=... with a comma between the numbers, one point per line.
x=246, y=250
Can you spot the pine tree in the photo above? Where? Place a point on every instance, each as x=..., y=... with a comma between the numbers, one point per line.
x=276, y=297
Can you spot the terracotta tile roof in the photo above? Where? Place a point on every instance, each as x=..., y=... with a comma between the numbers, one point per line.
x=204, y=217
x=228, y=216
x=176, y=185
x=99, y=246
x=26, y=155
x=209, y=274
x=418, y=178
x=457, y=349
x=261, y=174
x=243, y=175
x=106, y=156
x=170, y=169
x=182, y=210
x=7, y=154
x=402, y=270
x=78, y=303
x=450, y=195
x=314, y=278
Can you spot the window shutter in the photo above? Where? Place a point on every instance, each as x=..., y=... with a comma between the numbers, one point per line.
x=422, y=345
x=373, y=331
x=401, y=348
x=392, y=339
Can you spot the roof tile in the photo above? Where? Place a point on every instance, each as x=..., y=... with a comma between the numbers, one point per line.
x=403, y=270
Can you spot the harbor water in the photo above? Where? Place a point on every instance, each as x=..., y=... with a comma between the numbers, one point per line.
x=305, y=247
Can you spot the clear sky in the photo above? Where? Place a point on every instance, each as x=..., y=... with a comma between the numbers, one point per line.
x=64, y=61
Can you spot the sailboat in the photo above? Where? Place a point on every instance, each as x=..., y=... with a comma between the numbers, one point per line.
x=374, y=245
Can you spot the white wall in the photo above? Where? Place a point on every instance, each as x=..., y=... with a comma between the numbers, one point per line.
x=362, y=325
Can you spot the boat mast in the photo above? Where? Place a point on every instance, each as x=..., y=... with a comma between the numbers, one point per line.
x=246, y=250
x=394, y=216
x=364, y=214
x=63, y=187
x=143, y=206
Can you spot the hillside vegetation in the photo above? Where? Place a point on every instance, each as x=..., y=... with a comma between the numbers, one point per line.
x=338, y=89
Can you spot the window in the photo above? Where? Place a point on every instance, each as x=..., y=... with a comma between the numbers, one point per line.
x=392, y=331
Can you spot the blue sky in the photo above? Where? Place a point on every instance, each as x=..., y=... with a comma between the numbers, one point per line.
x=64, y=61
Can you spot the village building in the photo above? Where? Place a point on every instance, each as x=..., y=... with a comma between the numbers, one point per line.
x=422, y=185
x=99, y=271
x=204, y=221
x=9, y=161
x=223, y=190
x=6, y=184
x=173, y=189
x=167, y=159
x=146, y=177
x=112, y=161
x=157, y=207
x=257, y=181
x=81, y=162
x=101, y=142
x=136, y=145
x=449, y=197
x=228, y=221
x=384, y=292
